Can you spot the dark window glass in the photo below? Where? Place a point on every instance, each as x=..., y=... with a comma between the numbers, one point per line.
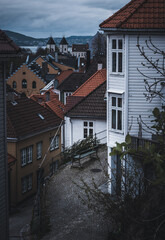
x=114, y=101
x=85, y=132
x=113, y=62
x=114, y=44
x=24, y=83
x=120, y=44
x=34, y=84
x=119, y=62
x=91, y=132
x=114, y=119
x=119, y=102
x=85, y=124
x=24, y=73
x=119, y=124
x=90, y=124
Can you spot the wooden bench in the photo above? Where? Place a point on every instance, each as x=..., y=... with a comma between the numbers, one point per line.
x=76, y=160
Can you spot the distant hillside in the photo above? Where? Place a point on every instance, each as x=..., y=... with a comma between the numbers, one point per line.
x=22, y=40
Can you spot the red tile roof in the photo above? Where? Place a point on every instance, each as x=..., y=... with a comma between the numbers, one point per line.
x=26, y=117
x=63, y=75
x=92, y=83
x=138, y=14
x=57, y=107
x=7, y=46
x=72, y=101
x=42, y=97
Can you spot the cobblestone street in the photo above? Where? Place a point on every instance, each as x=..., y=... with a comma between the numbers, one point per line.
x=70, y=219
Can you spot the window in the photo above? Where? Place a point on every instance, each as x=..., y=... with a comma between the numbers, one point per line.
x=14, y=84
x=26, y=155
x=117, y=55
x=116, y=112
x=26, y=183
x=24, y=83
x=34, y=84
x=66, y=94
x=24, y=73
x=88, y=129
x=39, y=150
x=54, y=143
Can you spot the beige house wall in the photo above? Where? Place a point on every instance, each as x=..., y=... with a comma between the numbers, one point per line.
x=18, y=171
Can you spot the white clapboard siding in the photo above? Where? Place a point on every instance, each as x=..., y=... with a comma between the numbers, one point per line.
x=137, y=103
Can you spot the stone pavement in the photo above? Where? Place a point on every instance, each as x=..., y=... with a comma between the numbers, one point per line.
x=70, y=219
x=19, y=221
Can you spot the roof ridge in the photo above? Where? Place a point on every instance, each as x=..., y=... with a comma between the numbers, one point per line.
x=89, y=79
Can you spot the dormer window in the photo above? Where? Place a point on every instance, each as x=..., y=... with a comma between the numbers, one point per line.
x=117, y=55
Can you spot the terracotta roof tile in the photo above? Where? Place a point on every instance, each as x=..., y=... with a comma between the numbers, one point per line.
x=138, y=14
x=72, y=101
x=57, y=107
x=92, y=83
x=63, y=75
x=27, y=117
x=93, y=105
x=42, y=97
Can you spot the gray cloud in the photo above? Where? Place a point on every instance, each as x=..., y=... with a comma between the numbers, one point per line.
x=40, y=18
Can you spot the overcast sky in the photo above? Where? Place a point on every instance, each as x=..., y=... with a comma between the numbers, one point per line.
x=42, y=18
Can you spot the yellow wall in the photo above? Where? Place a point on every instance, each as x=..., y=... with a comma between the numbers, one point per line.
x=18, y=171
x=30, y=76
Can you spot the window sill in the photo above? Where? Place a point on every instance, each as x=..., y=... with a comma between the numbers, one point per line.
x=117, y=75
x=116, y=131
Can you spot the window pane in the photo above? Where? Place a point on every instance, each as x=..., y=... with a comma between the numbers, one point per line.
x=120, y=44
x=85, y=124
x=85, y=132
x=119, y=62
x=113, y=62
x=119, y=125
x=119, y=102
x=114, y=119
x=113, y=101
x=91, y=132
x=114, y=44
x=90, y=124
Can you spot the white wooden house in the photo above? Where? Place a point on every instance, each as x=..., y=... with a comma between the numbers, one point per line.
x=86, y=110
x=143, y=19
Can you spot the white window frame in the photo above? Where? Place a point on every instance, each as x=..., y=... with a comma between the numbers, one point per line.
x=39, y=150
x=54, y=143
x=88, y=128
x=117, y=51
x=26, y=155
x=29, y=156
x=117, y=108
x=67, y=94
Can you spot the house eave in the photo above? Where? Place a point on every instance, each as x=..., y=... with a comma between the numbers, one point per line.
x=87, y=117
x=132, y=31
x=20, y=138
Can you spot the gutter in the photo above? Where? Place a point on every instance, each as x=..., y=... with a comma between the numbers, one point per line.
x=126, y=30
x=30, y=135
